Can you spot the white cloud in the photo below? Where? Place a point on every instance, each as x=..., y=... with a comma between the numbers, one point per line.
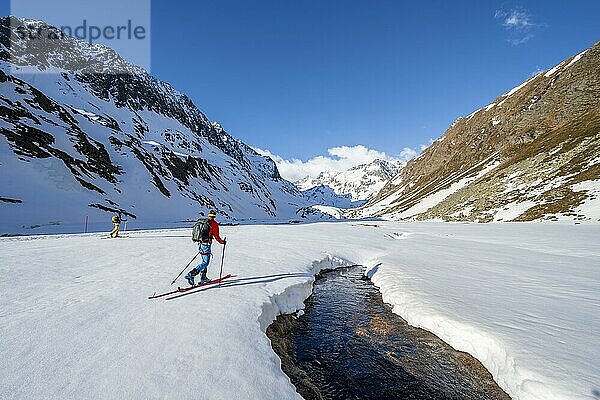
x=423, y=147
x=407, y=154
x=339, y=159
x=537, y=70
x=515, y=19
x=518, y=23
x=520, y=40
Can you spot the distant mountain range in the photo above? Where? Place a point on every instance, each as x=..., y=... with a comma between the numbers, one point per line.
x=531, y=154
x=85, y=133
x=350, y=188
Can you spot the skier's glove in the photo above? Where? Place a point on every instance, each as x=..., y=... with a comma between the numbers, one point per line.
x=224, y=241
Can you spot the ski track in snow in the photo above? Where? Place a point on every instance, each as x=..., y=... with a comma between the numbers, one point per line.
x=76, y=323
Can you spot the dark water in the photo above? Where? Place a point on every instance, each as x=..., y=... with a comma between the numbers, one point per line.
x=349, y=345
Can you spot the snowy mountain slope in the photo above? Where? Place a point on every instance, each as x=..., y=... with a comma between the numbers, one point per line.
x=530, y=154
x=74, y=142
x=361, y=182
x=325, y=195
x=523, y=298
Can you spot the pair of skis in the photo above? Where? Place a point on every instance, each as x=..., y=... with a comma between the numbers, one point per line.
x=183, y=290
x=211, y=282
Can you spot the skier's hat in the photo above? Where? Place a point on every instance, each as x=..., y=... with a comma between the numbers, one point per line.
x=212, y=213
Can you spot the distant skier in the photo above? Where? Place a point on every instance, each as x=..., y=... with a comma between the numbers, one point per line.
x=116, y=220
x=203, y=233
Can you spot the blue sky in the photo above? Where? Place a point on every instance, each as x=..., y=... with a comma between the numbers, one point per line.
x=301, y=77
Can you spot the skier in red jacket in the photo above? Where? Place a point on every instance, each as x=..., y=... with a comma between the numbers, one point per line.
x=203, y=233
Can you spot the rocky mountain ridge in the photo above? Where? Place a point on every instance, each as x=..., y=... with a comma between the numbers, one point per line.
x=85, y=133
x=533, y=153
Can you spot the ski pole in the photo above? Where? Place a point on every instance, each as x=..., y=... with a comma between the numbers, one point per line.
x=222, y=259
x=184, y=268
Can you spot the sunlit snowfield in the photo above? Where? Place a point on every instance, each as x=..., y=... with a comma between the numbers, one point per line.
x=76, y=321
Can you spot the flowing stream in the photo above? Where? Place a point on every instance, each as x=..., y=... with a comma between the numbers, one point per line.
x=349, y=345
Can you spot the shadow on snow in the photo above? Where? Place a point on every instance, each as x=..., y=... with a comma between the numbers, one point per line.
x=253, y=280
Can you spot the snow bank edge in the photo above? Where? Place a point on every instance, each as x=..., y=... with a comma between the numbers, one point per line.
x=292, y=298
x=518, y=382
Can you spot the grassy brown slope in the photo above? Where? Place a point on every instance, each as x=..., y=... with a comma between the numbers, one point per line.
x=525, y=129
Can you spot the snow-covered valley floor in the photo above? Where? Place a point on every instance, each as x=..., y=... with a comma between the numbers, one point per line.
x=75, y=320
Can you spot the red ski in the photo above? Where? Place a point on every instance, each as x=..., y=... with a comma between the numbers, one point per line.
x=181, y=290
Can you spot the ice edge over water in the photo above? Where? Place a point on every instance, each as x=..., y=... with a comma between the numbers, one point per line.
x=520, y=383
x=291, y=299
x=462, y=337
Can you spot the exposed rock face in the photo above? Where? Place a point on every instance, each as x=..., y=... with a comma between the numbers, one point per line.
x=82, y=132
x=533, y=153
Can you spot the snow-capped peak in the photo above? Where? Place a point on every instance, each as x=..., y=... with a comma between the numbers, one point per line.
x=96, y=143
x=360, y=182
